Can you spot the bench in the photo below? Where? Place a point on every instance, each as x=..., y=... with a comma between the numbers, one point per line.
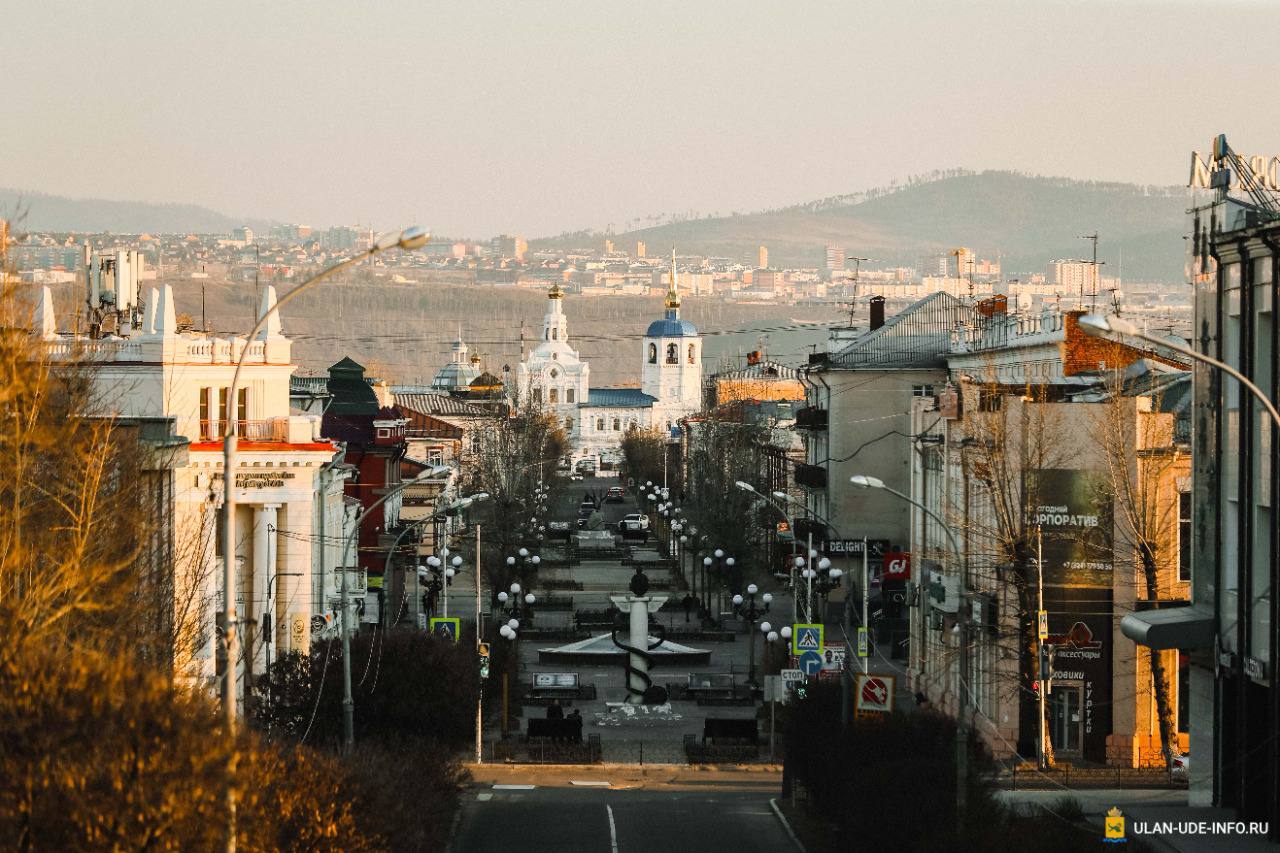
x=555, y=602
x=712, y=688
x=724, y=740
x=554, y=731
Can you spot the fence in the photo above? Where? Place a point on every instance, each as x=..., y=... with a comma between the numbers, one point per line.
x=1067, y=776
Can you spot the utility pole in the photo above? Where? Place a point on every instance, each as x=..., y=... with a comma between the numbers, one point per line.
x=1040, y=638
x=853, y=297
x=479, y=635
x=1093, y=272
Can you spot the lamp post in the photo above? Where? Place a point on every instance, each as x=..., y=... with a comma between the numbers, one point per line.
x=1116, y=329
x=268, y=618
x=820, y=577
x=409, y=239
x=962, y=628
x=745, y=607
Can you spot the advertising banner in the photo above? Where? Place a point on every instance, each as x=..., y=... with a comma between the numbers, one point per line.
x=1073, y=510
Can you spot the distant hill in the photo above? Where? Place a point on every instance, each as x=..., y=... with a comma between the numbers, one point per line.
x=1024, y=220
x=42, y=212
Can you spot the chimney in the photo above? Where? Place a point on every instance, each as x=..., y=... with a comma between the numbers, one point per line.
x=877, y=312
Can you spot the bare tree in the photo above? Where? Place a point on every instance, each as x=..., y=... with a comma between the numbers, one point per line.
x=1143, y=461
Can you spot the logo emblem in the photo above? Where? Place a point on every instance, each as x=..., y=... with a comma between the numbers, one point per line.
x=1113, y=827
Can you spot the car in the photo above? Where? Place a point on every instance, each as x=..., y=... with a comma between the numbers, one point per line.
x=634, y=523
x=575, y=476
x=615, y=495
x=1180, y=767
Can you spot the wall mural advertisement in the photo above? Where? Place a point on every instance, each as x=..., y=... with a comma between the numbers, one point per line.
x=1074, y=512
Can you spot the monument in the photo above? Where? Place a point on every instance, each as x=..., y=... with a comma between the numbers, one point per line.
x=639, y=646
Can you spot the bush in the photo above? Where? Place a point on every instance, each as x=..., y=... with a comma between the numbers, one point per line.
x=99, y=752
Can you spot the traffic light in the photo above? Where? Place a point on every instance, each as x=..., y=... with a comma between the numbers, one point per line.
x=1046, y=665
x=484, y=659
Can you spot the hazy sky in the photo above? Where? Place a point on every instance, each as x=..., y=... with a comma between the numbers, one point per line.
x=538, y=117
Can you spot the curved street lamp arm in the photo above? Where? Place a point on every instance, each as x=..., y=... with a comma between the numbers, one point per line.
x=1223, y=366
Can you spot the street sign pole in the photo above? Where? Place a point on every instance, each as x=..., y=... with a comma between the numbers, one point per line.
x=866, y=597
x=480, y=692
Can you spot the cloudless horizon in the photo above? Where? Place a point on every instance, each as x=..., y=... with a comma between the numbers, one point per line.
x=538, y=118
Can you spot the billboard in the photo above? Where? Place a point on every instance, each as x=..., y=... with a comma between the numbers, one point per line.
x=1073, y=510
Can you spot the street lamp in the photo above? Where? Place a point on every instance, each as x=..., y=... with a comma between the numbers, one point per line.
x=746, y=608
x=962, y=625
x=408, y=239
x=1116, y=329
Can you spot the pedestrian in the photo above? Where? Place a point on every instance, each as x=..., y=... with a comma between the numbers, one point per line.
x=554, y=711
x=688, y=606
x=576, y=716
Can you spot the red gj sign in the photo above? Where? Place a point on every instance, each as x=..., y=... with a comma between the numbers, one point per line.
x=897, y=566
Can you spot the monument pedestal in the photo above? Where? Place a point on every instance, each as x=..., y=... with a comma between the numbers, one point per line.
x=638, y=609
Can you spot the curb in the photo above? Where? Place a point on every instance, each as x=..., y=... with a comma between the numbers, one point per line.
x=786, y=825
x=449, y=845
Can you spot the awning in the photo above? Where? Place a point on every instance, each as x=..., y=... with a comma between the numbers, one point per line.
x=1173, y=628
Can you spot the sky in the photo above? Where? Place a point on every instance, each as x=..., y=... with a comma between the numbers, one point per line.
x=538, y=117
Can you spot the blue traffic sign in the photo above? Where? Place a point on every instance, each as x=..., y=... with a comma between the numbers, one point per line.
x=811, y=663
x=806, y=638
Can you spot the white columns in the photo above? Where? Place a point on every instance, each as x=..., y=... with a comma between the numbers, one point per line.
x=264, y=567
x=293, y=588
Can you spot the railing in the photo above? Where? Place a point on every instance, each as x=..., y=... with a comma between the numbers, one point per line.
x=198, y=350
x=272, y=429
x=1003, y=329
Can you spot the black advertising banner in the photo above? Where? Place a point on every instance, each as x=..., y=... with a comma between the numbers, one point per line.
x=1080, y=620
x=1073, y=511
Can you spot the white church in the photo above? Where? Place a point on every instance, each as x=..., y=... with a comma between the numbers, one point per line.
x=596, y=419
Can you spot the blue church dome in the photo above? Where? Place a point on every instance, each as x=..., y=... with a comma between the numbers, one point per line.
x=671, y=326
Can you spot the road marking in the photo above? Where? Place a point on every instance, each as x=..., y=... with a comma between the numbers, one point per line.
x=485, y=797
x=514, y=787
x=613, y=830
x=589, y=783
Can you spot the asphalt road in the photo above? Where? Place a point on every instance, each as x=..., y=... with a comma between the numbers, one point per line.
x=603, y=820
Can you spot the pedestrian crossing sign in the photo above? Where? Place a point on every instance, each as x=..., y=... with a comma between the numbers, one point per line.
x=806, y=638
x=446, y=628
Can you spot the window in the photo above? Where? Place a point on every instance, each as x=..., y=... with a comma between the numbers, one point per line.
x=435, y=457
x=568, y=424
x=206, y=426
x=242, y=409
x=555, y=334
x=569, y=395
x=599, y=424
x=554, y=373
x=383, y=432
x=1184, y=536
x=692, y=355
x=921, y=390
x=222, y=406
x=673, y=354
x=617, y=424
x=990, y=400
x=653, y=353
x=537, y=395
x=553, y=396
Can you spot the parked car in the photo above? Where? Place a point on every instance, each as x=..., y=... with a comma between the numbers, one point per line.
x=575, y=476
x=1181, y=765
x=615, y=495
x=634, y=523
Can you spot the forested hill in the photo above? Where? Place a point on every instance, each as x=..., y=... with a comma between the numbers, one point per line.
x=1024, y=220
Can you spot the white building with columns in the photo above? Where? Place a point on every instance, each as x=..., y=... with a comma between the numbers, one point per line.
x=291, y=517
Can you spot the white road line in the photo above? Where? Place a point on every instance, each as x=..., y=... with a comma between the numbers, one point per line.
x=485, y=797
x=514, y=787
x=613, y=830
x=590, y=783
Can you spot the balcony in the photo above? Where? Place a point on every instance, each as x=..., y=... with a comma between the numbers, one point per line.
x=811, y=418
x=291, y=429
x=811, y=476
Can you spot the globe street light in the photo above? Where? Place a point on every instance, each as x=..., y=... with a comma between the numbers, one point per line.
x=746, y=609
